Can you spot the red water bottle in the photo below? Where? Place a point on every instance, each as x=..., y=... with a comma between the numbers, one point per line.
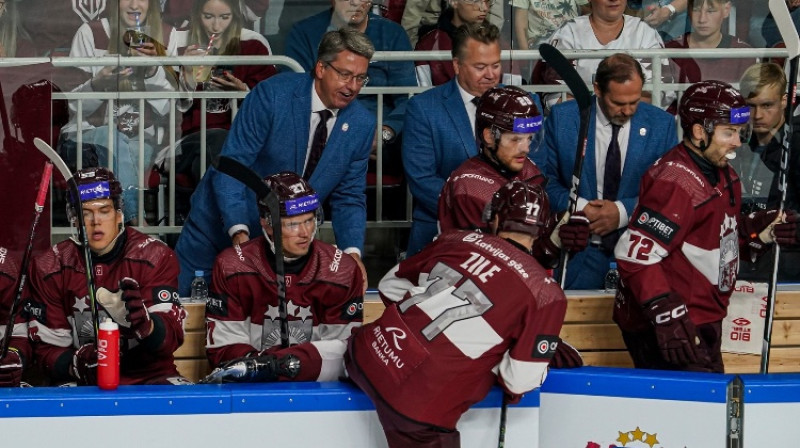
x=108, y=355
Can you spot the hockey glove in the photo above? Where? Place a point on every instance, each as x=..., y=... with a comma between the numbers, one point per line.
x=566, y=357
x=785, y=232
x=757, y=230
x=127, y=309
x=259, y=369
x=84, y=365
x=574, y=232
x=675, y=333
x=11, y=369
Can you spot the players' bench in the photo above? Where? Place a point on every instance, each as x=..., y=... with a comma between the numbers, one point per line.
x=587, y=326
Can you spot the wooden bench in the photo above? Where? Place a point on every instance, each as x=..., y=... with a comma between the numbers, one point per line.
x=587, y=326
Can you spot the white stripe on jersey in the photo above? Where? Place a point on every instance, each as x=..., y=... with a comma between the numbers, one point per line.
x=324, y=332
x=330, y=352
x=705, y=261
x=61, y=337
x=632, y=242
x=521, y=376
x=228, y=332
x=395, y=288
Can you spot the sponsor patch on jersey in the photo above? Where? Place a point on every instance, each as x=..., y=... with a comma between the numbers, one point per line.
x=34, y=310
x=353, y=309
x=656, y=224
x=164, y=294
x=545, y=347
x=217, y=305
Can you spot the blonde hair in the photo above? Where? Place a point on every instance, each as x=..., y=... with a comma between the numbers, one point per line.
x=230, y=37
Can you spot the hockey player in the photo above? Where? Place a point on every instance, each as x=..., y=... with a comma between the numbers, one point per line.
x=506, y=122
x=136, y=280
x=323, y=293
x=19, y=349
x=470, y=310
x=679, y=258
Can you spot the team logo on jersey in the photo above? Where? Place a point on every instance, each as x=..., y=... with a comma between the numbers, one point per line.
x=472, y=237
x=88, y=10
x=545, y=347
x=353, y=309
x=165, y=294
x=98, y=271
x=657, y=225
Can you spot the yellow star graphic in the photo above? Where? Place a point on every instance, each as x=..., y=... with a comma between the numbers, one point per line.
x=651, y=440
x=638, y=434
x=624, y=438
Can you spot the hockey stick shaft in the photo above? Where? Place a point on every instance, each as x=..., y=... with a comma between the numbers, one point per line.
x=26, y=256
x=583, y=97
x=253, y=181
x=75, y=194
x=780, y=12
x=501, y=438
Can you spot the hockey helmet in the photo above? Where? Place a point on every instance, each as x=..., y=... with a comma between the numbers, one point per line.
x=507, y=108
x=521, y=207
x=295, y=195
x=710, y=103
x=97, y=183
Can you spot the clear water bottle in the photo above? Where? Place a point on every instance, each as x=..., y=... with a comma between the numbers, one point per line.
x=612, y=277
x=199, y=288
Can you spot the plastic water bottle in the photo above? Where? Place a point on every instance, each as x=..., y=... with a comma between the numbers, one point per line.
x=108, y=355
x=199, y=288
x=612, y=277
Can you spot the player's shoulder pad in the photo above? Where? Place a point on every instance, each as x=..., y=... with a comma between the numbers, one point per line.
x=242, y=258
x=8, y=267
x=66, y=253
x=681, y=175
x=146, y=248
x=332, y=265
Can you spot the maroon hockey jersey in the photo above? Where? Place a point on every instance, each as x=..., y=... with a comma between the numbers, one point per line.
x=61, y=311
x=468, y=311
x=683, y=238
x=8, y=291
x=324, y=304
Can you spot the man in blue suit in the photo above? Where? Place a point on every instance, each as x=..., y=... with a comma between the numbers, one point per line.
x=276, y=130
x=440, y=125
x=612, y=168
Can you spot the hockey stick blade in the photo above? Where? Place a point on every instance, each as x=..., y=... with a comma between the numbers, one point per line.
x=568, y=74
x=253, y=181
x=53, y=156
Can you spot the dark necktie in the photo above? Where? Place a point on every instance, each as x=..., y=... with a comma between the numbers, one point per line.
x=317, y=142
x=613, y=166
x=611, y=180
x=475, y=100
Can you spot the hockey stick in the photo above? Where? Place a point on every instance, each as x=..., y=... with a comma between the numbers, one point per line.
x=501, y=438
x=780, y=12
x=583, y=96
x=253, y=181
x=26, y=257
x=75, y=192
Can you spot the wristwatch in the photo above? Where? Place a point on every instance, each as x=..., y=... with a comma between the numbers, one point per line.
x=671, y=9
x=387, y=135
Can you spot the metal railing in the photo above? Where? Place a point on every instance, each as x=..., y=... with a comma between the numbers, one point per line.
x=656, y=87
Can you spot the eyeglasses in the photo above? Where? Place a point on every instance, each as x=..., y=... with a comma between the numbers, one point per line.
x=346, y=77
x=292, y=228
x=478, y=3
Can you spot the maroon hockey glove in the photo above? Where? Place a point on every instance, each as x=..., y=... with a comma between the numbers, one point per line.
x=675, y=333
x=753, y=227
x=11, y=369
x=566, y=357
x=84, y=365
x=574, y=234
x=785, y=233
x=139, y=319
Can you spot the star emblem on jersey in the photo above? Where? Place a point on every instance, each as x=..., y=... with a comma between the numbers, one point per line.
x=302, y=312
x=80, y=304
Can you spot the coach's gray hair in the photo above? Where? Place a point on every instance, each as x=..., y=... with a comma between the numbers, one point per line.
x=345, y=38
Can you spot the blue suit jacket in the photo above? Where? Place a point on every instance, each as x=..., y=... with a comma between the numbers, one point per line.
x=437, y=139
x=303, y=41
x=270, y=134
x=556, y=159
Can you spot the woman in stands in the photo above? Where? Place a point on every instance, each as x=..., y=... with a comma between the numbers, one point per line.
x=216, y=28
x=135, y=28
x=14, y=40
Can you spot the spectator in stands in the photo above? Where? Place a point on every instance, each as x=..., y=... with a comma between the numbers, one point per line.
x=536, y=20
x=422, y=16
x=178, y=12
x=136, y=30
x=283, y=125
x=324, y=293
x=14, y=39
x=136, y=280
x=440, y=125
x=217, y=28
x=606, y=28
x=763, y=87
x=667, y=16
x=678, y=260
x=626, y=136
x=301, y=45
x=505, y=124
x=20, y=353
x=707, y=17
x=458, y=12
x=769, y=30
